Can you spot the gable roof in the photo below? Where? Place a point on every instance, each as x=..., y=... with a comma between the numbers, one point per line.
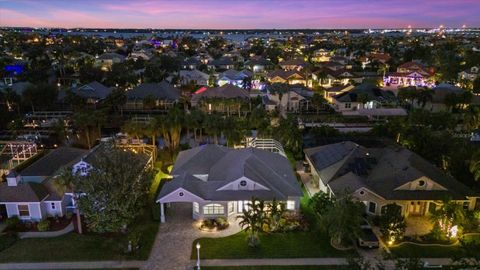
x=224, y=165
x=53, y=161
x=347, y=165
x=93, y=90
x=370, y=91
x=162, y=90
x=23, y=192
x=225, y=91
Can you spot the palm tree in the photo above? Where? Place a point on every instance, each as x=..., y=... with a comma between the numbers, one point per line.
x=85, y=121
x=171, y=128
x=423, y=96
x=279, y=89
x=213, y=126
x=318, y=101
x=471, y=119
x=475, y=166
x=276, y=210
x=252, y=221
x=66, y=182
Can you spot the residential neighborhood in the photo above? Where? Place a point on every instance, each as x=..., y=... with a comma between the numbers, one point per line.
x=206, y=142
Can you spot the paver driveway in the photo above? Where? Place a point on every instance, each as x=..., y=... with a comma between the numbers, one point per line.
x=173, y=243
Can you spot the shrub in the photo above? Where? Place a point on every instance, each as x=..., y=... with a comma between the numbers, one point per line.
x=221, y=223
x=43, y=225
x=208, y=223
x=12, y=222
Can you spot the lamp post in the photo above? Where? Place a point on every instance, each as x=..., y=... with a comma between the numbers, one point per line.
x=198, y=255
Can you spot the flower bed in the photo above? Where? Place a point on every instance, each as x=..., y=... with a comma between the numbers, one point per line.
x=49, y=224
x=216, y=224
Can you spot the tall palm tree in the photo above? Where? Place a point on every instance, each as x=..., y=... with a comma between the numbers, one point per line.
x=448, y=215
x=85, y=121
x=475, y=166
x=252, y=220
x=66, y=182
x=275, y=210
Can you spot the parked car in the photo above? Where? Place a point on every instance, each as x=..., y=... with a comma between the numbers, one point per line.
x=368, y=239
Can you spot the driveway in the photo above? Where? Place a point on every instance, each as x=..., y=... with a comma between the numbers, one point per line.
x=173, y=243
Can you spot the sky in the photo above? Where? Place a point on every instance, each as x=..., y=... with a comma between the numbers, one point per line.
x=240, y=14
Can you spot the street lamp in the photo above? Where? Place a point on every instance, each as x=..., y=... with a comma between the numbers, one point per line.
x=198, y=255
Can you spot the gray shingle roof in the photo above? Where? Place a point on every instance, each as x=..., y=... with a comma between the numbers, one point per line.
x=93, y=90
x=23, y=192
x=53, y=161
x=224, y=165
x=162, y=91
x=370, y=91
x=347, y=165
x=225, y=91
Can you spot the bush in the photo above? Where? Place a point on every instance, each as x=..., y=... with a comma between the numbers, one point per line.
x=43, y=225
x=12, y=222
x=221, y=223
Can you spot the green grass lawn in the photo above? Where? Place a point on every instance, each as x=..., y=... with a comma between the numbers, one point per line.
x=410, y=250
x=277, y=245
x=273, y=267
x=75, y=247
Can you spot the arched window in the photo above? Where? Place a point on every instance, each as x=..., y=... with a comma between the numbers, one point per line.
x=213, y=209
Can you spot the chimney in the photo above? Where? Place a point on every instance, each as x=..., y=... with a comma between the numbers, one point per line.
x=13, y=178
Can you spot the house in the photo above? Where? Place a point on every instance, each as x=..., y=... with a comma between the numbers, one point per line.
x=381, y=176
x=216, y=99
x=329, y=93
x=193, y=76
x=440, y=93
x=234, y=77
x=321, y=55
x=412, y=73
x=293, y=64
x=221, y=63
x=258, y=64
x=190, y=63
x=92, y=92
x=220, y=181
x=295, y=99
x=145, y=54
x=364, y=96
x=106, y=60
x=30, y=193
x=152, y=96
x=286, y=76
x=470, y=74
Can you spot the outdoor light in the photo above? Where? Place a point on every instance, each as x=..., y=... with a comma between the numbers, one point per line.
x=198, y=255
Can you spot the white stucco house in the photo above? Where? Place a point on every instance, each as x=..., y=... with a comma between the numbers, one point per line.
x=220, y=181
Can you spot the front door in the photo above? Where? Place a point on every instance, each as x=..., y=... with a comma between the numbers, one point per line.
x=416, y=208
x=3, y=212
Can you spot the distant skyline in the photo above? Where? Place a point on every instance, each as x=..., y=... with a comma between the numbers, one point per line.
x=240, y=14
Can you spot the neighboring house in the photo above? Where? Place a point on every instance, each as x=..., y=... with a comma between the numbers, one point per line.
x=234, y=77
x=258, y=64
x=106, y=60
x=411, y=74
x=364, y=96
x=193, y=76
x=141, y=54
x=93, y=92
x=191, y=63
x=381, y=176
x=329, y=93
x=30, y=193
x=321, y=55
x=470, y=74
x=293, y=64
x=152, y=96
x=287, y=76
x=440, y=94
x=221, y=63
x=218, y=98
x=220, y=181
x=293, y=100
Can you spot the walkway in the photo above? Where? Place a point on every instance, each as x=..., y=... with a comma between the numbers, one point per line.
x=72, y=265
x=63, y=231
x=173, y=244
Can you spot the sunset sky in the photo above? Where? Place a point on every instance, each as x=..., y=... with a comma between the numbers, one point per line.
x=239, y=14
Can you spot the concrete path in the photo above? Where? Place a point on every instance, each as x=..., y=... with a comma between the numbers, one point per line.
x=72, y=265
x=173, y=243
x=63, y=231
x=250, y=262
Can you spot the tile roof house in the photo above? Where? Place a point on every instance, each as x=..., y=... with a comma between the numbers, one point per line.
x=412, y=73
x=30, y=193
x=380, y=176
x=162, y=95
x=219, y=181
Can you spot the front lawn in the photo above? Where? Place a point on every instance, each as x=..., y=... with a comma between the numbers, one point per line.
x=276, y=245
x=75, y=247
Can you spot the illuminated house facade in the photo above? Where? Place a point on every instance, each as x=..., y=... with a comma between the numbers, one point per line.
x=219, y=181
x=411, y=74
x=381, y=176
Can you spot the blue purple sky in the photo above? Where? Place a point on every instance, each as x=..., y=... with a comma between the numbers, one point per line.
x=239, y=14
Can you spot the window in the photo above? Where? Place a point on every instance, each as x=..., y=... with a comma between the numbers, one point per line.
x=348, y=105
x=466, y=205
x=231, y=207
x=290, y=205
x=213, y=209
x=372, y=207
x=421, y=183
x=196, y=207
x=23, y=210
x=243, y=183
x=53, y=206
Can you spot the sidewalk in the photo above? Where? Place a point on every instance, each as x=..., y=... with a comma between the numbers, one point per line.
x=72, y=265
x=297, y=261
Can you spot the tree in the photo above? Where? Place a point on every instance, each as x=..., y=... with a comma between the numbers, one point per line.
x=41, y=96
x=318, y=101
x=448, y=215
x=342, y=221
x=475, y=166
x=275, y=212
x=476, y=85
x=471, y=118
x=279, y=89
x=66, y=182
x=423, y=96
x=252, y=220
x=321, y=203
x=392, y=223
x=289, y=135
x=84, y=123
x=113, y=193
